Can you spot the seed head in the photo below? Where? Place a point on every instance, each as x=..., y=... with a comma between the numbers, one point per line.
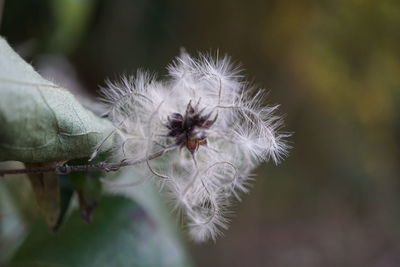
x=211, y=127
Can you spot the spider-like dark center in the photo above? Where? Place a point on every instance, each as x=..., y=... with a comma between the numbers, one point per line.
x=190, y=129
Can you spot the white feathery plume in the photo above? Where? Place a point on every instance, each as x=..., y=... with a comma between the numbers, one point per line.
x=213, y=133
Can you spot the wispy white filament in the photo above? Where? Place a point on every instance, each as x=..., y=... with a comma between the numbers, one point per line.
x=203, y=182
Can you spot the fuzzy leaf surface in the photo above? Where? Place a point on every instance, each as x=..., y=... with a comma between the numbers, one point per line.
x=41, y=122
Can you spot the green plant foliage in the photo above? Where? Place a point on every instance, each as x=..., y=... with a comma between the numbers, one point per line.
x=41, y=122
x=71, y=18
x=47, y=192
x=88, y=188
x=66, y=193
x=122, y=234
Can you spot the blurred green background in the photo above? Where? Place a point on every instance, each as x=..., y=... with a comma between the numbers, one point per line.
x=333, y=65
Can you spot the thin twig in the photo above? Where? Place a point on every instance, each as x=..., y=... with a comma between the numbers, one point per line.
x=64, y=169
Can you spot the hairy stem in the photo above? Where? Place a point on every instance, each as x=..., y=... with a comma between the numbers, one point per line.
x=64, y=169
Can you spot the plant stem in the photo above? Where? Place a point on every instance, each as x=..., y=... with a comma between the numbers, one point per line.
x=64, y=169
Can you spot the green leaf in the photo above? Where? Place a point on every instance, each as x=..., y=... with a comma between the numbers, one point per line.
x=41, y=122
x=47, y=192
x=88, y=189
x=66, y=193
x=122, y=234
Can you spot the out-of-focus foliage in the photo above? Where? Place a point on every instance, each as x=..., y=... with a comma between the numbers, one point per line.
x=335, y=68
x=129, y=230
x=71, y=19
x=122, y=234
x=130, y=227
x=46, y=25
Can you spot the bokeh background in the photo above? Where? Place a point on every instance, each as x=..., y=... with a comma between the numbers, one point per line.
x=333, y=65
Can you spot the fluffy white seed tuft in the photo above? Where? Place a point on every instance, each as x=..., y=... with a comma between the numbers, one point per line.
x=211, y=128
